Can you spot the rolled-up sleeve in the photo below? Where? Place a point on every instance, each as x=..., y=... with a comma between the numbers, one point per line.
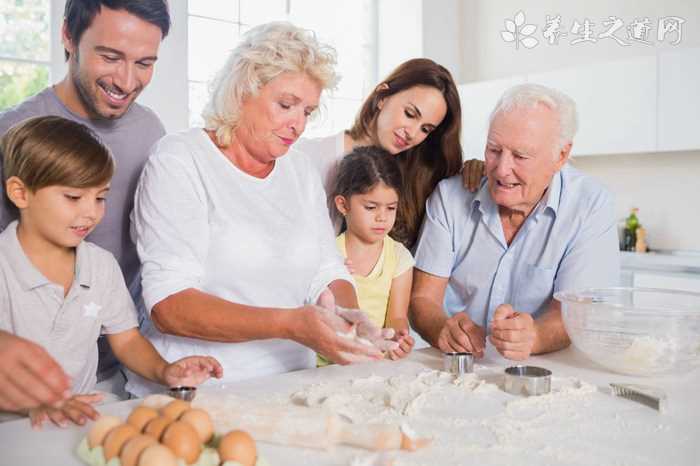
x=170, y=225
x=435, y=253
x=593, y=259
x=332, y=266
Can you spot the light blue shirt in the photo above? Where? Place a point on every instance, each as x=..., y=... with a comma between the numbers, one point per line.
x=568, y=242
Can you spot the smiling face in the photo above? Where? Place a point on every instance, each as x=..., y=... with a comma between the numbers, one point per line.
x=406, y=118
x=370, y=216
x=273, y=119
x=60, y=215
x=521, y=156
x=112, y=63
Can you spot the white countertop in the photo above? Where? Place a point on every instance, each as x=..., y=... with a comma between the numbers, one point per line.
x=485, y=429
x=683, y=262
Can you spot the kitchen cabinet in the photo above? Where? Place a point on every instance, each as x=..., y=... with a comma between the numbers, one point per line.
x=679, y=99
x=616, y=104
x=677, y=271
x=643, y=104
x=672, y=281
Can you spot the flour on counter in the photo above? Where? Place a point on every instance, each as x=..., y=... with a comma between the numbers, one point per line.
x=377, y=399
x=565, y=391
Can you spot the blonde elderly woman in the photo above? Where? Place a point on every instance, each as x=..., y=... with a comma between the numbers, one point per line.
x=232, y=227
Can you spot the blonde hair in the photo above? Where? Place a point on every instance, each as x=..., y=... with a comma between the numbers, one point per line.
x=529, y=95
x=50, y=150
x=265, y=52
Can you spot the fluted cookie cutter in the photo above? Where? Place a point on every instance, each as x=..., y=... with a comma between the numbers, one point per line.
x=458, y=363
x=528, y=380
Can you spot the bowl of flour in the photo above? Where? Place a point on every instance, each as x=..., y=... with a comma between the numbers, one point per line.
x=635, y=331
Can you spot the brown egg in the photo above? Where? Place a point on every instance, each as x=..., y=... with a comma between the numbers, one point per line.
x=133, y=447
x=200, y=420
x=174, y=409
x=156, y=426
x=157, y=455
x=183, y=440
x=101, y=428
x=140, y=416
x=116, y=438
x=239, y=446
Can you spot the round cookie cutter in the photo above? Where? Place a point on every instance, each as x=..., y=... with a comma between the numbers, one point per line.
x=183, y=393
x=528, y=380
x=458, y=363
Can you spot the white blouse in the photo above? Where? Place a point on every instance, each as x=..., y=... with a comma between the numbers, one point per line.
x=200, y=222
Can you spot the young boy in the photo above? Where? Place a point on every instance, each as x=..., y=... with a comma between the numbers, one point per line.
x=58, y=290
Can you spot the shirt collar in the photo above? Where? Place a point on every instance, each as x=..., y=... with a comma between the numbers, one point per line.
x=27, y=274
x=552, y=196
x=489, y=210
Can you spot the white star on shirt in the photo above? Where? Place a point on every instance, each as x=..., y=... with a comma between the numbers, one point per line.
x=91, y=310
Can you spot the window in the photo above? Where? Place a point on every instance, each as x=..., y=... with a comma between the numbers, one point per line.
x=24, y=49
x=215, y=28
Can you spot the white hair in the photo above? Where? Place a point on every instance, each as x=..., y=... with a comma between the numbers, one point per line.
x=265, y=52
x=530, y=95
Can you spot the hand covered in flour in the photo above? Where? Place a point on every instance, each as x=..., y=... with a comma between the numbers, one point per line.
x=324, y=332
x=354, y=325
x=512, y=333
x=461, y=335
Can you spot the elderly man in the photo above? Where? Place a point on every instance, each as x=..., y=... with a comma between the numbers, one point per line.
x=490, y=261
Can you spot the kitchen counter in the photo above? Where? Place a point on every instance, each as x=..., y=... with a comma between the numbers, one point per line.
x=485, y=427
x=673, y=262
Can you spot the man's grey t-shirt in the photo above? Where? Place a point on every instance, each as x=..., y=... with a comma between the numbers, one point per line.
x=130, y=139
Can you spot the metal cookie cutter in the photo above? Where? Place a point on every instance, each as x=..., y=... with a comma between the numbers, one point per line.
x=458, y=363
x=183, y=393
x=528, y=380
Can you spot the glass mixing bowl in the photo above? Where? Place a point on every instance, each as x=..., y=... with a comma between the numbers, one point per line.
x=635, y=331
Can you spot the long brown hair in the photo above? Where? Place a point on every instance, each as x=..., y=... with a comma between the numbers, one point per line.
x=438, y=157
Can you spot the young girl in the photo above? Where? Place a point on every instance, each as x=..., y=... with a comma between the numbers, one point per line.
x=58, y=290
x=366, y=195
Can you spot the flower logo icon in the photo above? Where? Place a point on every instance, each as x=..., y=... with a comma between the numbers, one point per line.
x=519, y=32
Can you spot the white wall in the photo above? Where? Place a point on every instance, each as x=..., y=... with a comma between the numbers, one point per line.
x=494, y=58
x=663, y=186
x=167, y=94
x=399, y=33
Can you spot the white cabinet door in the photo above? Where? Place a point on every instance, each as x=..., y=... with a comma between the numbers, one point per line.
x=672, y=281
x=478, y=100
x=616, y=104
x=679, y=99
